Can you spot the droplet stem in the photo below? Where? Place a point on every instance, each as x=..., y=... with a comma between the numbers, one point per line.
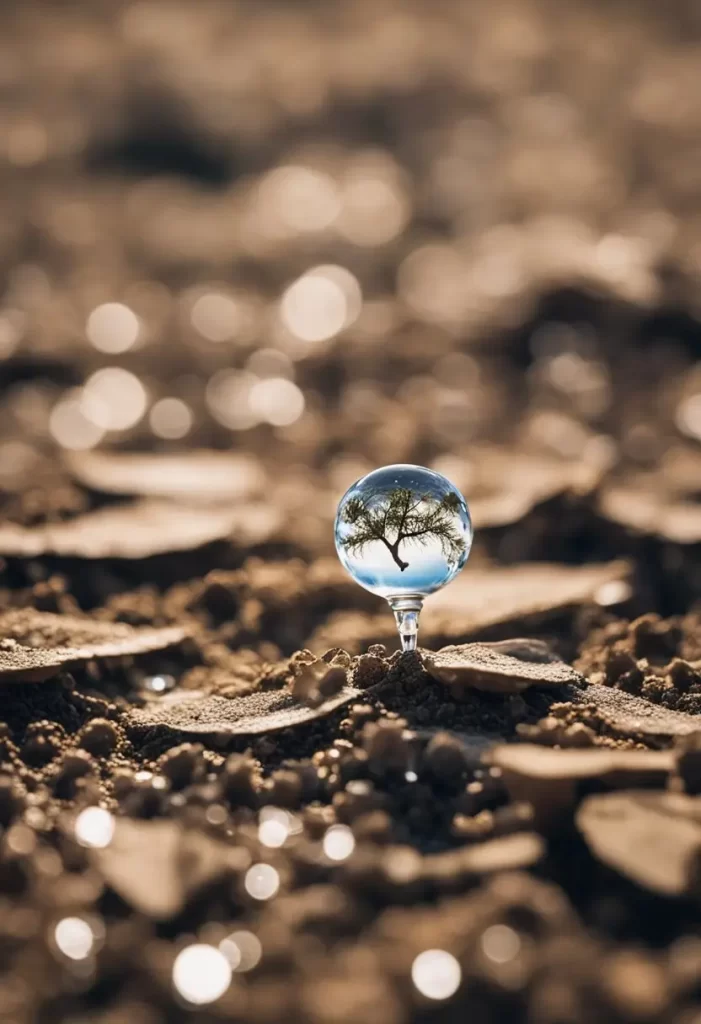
x=406, y=613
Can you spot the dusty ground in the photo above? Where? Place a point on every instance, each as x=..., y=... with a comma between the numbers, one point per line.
x=248, y=253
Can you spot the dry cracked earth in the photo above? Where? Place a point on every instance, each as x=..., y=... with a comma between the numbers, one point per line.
x=248, y=253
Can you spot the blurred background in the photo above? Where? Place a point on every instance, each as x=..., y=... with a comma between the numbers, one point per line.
x=333, y=236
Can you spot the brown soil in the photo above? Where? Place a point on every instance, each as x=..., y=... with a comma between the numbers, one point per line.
x=208, y=736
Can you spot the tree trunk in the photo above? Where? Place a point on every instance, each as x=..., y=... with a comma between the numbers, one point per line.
x=394, y=551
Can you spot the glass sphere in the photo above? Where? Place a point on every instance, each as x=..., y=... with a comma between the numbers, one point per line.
x=403, y=530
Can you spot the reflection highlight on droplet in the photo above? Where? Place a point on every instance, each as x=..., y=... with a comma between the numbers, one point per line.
x=500, y=944
x=613, y=592
x=321, y=303
x=339, y=842
x=159, y=684
x=436, y=974
x=113, y=328
x=274, y=826
x=74, y=938
x=94, y=827
x=376, y=206
x=72, y=424
x=21, y=839
x=216, y=316
x=688, y=416
x=243, y=951
x=170, y=418
x=262, y=881
x=117, y=398
x=228, y=397
x=299, y=199
x=201, y=974
x=270, y=362
x=276, y=401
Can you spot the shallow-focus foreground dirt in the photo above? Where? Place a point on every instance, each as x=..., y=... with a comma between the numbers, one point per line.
x=248, y=253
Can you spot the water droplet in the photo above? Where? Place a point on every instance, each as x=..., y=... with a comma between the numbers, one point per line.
x=158, y=684
x=216, y=814
x=436, y=974
x=113, y=328
x=170, y=418
x=262, y=881
x=114, y=398
x=201, y=974
x=500, y=943
x=339, y=842
x=273, y=829
x=403, y=532
x=243, y=951
x=94, y=827
x=216, y=316
x=74, y=937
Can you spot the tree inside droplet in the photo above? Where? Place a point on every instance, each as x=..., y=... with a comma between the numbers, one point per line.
x=403, y=532
x=402, y=518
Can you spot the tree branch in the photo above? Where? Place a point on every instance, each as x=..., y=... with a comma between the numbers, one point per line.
x=397, y=514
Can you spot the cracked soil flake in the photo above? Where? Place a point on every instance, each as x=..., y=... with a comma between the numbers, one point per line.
x=36, y=645
x=531, y=761
x=196, y=476
x=631, y=715
x=138, y=530
x=509, y=666
x=480, y=599
x=257, y=713
x=155, y=866
x=516, y=852
x=652, y=838
x=505, y=485
x=550, y=780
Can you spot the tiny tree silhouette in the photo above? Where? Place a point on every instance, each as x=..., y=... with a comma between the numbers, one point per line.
x=403, y=517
